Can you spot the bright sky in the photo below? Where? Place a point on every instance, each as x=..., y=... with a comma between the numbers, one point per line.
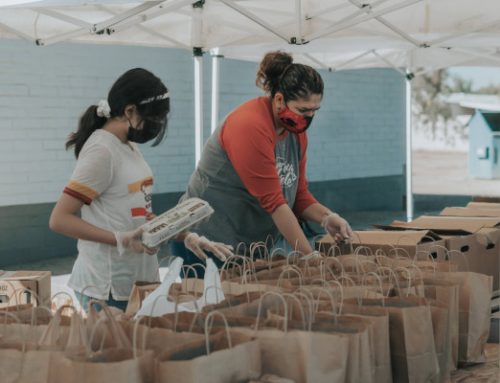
x=481, y=76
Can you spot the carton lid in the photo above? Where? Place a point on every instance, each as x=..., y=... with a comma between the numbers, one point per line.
x=492, y=235
x=470, y=212
x=394, y=237
x=448, y=224
x=484, y=205
x=23, y=275
x=406, y=238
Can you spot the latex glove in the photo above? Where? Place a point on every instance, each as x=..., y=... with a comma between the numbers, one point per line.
x=132, y=241
x=312, y=259
x=198, y=244
x=337, y=227
x=312, y=256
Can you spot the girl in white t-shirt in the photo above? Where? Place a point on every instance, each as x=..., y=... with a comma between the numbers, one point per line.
x=109, y=194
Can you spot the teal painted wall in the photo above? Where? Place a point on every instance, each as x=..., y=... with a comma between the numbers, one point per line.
x=357, y=136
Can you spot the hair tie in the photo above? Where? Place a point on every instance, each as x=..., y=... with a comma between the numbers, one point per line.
x=103, y=109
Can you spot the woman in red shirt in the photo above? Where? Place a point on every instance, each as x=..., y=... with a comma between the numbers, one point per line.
x=253, y=167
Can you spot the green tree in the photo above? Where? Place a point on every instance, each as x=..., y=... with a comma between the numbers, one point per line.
x=428, y=104
x=432, y=113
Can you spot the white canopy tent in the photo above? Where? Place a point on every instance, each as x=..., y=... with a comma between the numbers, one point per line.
x=411, y=36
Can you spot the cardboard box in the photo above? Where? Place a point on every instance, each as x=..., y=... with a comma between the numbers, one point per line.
x=25, y=287
x=478, y=238
x=470, y=212
x=484, y=205
x=447, y=224
x=412, y=242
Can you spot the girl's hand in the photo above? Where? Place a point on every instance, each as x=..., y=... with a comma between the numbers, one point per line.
x=150, y=216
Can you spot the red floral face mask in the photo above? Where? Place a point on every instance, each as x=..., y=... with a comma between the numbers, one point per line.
x=293, y=122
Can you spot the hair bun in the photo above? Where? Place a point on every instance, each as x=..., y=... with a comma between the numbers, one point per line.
x=271, y=68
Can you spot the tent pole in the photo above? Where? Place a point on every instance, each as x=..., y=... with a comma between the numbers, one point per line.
x=215, y=89
x=409, y=165
x=298, y=15
x=197, y=43
x=198, y=103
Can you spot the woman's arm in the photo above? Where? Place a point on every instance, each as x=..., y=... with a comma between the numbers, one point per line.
x=64, y=220
x=286, y=222
x=315, y=212
x=333, y=223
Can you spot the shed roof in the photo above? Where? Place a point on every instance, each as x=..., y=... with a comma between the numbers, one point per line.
x=493, y=120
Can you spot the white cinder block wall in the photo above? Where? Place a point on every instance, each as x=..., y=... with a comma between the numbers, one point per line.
x=356, y=151
x=359, y=131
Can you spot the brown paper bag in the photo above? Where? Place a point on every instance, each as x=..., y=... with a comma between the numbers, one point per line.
x=225, y=357
x=413, y=353
x=361, y=359
x=27, y=356
x=474, y=312
x=104, y=329
x=26, y=366
x=302, y=356
x=442, y=339
x=139, y=292
x=27, y=313
x=19, y=359
x=268, y=378
x=360, y=362
x=195, y=287
x=446, y=293
x=379, y=317
x=110, y=365
x=93, y=363
x=157, y=339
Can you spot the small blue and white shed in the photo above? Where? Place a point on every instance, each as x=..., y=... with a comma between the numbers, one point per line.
x=484, y=145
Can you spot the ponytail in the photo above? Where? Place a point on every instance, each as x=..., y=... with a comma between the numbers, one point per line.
x=89, y=122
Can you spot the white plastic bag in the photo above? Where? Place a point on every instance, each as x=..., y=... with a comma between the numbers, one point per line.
x=157, y=303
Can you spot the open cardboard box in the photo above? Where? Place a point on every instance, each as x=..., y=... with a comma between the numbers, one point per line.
x=478, y=238
x=25, y=287
x=420, y=242
x=484, y=205
x=470, y=212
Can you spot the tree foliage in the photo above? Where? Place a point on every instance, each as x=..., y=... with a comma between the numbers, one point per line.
x=431, y=112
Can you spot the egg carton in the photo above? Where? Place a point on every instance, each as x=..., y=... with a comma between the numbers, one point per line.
x=174, y=221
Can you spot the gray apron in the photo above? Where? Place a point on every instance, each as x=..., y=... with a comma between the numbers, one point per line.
x=238, y=217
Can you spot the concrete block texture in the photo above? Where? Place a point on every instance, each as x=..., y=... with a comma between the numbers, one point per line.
x=359, y=131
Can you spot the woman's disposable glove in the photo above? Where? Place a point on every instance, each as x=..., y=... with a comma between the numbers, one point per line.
x=198, y=245
x=132, y=241
x=337, y=227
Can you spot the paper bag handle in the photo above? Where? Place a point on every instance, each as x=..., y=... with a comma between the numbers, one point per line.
x=208, y=327
x=289, y=268
x=391, y=274
x=259, y=309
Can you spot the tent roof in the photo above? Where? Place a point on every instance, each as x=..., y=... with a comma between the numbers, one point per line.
x=333, y=34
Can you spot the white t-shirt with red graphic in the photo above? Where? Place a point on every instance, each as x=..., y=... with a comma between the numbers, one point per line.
x=114, y=182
